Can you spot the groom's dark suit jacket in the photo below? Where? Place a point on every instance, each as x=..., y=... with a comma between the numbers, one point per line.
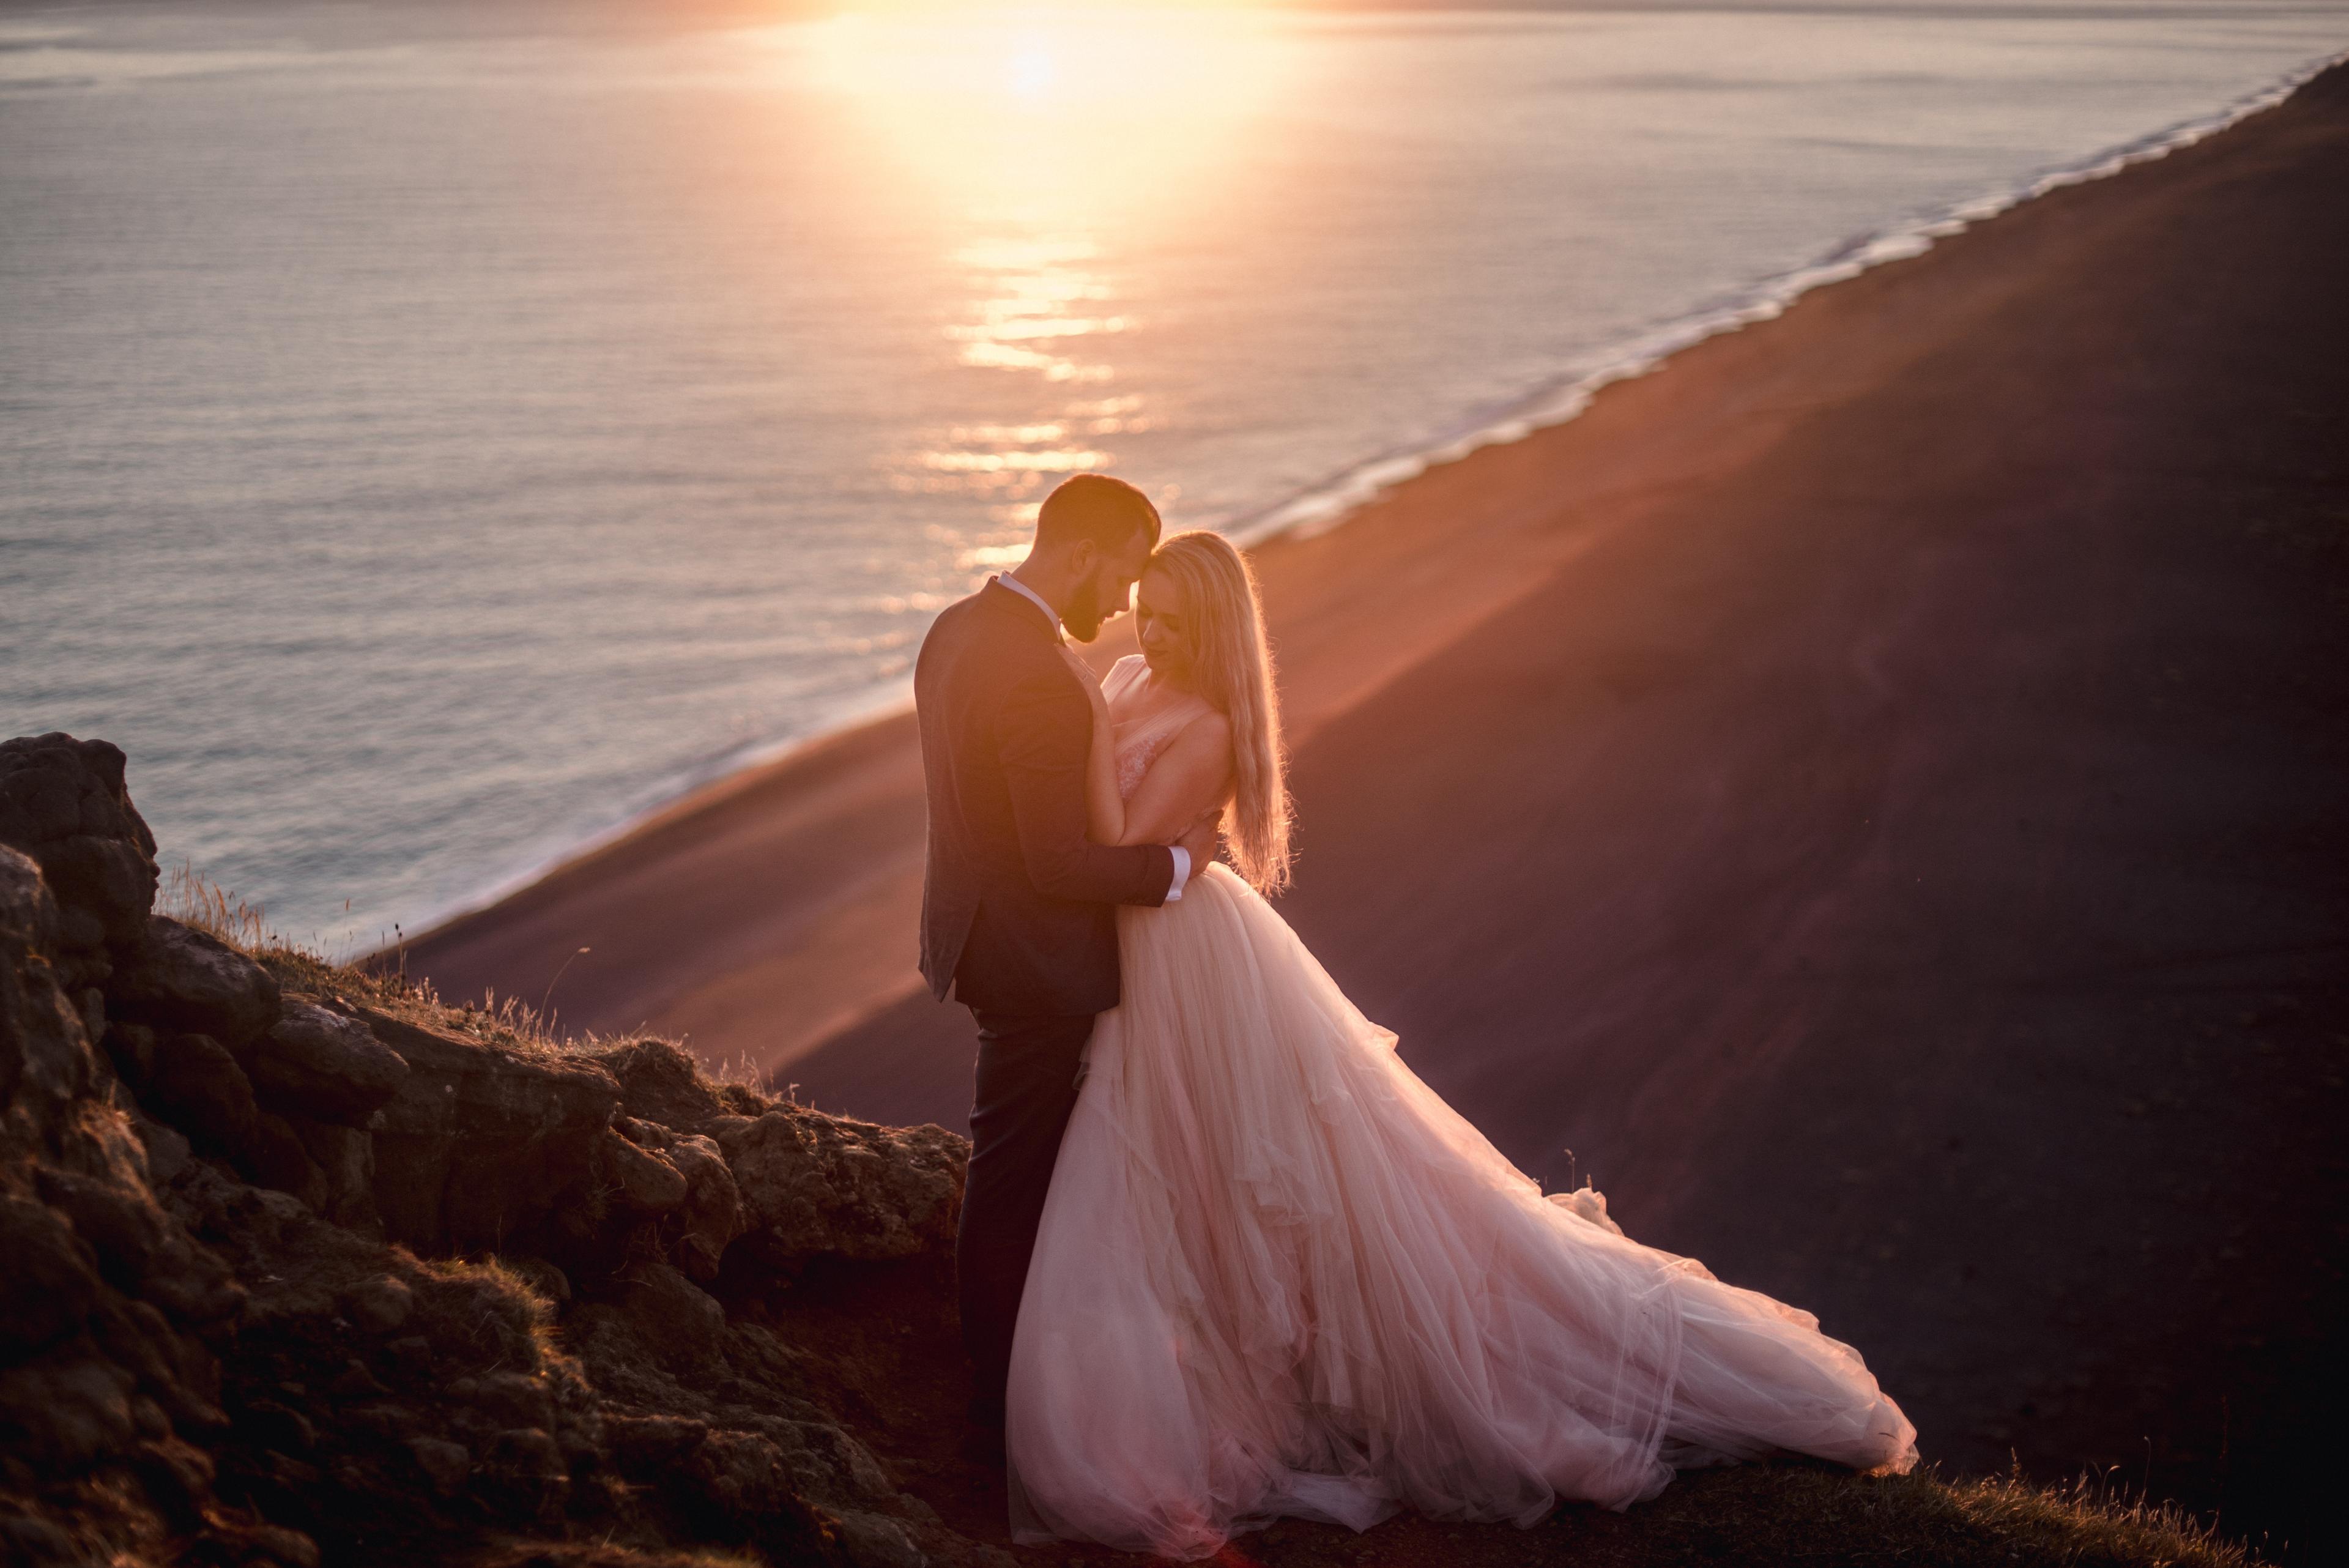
x=1016, y=902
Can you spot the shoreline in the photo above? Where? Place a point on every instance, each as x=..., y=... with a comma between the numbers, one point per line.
x=1328, y=503
x=1331, y=503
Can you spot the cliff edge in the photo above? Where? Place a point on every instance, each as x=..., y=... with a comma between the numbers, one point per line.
x=304, y=1267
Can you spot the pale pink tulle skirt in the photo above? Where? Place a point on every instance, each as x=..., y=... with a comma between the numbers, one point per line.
x=1276, y=1275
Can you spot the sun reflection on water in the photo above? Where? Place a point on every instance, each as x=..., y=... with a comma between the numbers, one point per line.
x=1034, y=293
x=1056, y=152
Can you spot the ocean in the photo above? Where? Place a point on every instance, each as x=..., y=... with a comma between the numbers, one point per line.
x=433, y=435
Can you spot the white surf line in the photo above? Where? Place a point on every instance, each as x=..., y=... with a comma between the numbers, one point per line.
x=1325, y=506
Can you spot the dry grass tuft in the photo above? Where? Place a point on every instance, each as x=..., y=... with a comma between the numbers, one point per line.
x=510, y=1022
x=1797, y=1513
x=492, y=1311
x=2094, y=1520
x=188, y=899
x=742, y=1071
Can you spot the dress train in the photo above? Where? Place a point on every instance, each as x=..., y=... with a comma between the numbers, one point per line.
x=1277, y=1275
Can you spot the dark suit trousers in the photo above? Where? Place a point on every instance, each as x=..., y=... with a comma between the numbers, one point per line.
x=1027, y=1087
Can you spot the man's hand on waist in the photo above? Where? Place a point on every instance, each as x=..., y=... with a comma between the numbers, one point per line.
x=1200, y=842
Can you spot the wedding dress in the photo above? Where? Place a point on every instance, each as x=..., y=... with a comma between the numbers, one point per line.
x=1277, y=1275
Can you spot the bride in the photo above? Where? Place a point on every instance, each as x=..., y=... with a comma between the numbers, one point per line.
x=1276, y=1274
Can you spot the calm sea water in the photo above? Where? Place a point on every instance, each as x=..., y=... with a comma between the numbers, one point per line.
x=431, y=435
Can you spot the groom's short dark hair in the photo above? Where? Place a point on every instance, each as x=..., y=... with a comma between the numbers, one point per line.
x=1094, y=507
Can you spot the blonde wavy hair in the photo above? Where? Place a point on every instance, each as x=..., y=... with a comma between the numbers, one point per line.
x=1231, y=665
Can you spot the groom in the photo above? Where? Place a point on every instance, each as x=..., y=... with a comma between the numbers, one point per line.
x=1018, y=910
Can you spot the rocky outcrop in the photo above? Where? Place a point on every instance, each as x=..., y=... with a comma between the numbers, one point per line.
x=303, y=1267
x=479, y=1144
x=817, y=1185
x=65, y=805
x=660, y=1082
x=110, y=1309
x=326, y=1066
x=187, y=980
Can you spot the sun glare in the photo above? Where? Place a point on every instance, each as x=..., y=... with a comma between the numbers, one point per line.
x=1056, y=153
x=1126, y=60
x=1100, y=128
x=1030, y=69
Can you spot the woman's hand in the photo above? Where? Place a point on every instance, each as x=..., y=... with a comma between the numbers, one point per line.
x=1090, y=682
x=1104, y=810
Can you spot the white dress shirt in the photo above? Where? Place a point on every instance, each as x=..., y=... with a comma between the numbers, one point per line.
x=1052, y=618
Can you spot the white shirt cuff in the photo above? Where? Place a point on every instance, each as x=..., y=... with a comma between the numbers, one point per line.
x=1182, y=872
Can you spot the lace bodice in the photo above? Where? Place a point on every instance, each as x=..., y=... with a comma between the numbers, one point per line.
x=1141, y=737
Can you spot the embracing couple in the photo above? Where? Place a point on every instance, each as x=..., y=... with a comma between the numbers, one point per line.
x=1223, y=1257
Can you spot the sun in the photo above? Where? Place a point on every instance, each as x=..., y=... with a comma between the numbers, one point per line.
x=1045, y=110
x=1030, y=68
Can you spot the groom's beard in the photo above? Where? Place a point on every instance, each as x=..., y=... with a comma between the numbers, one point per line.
x=1082, y=616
